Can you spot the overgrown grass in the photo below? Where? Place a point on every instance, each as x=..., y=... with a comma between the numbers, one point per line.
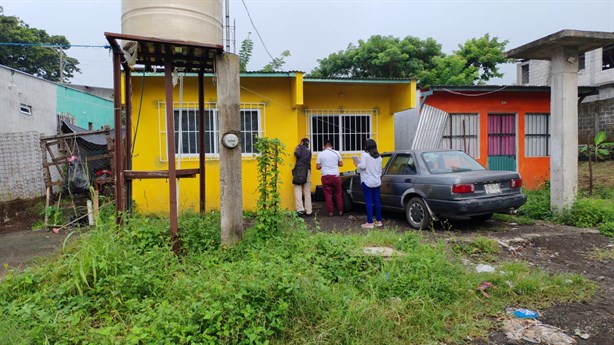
x=602, y=254
x=508, y=218
x=125, y=286
x=594, y=211
x=482, y=248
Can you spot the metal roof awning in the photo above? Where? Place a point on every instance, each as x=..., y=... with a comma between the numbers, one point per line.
x=582, y=90
x=542, y=48
x=151, y=51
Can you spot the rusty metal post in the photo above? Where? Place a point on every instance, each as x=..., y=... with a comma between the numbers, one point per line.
x=128, y=103
x=201, y=137
x=119, y=166
x=170, y=148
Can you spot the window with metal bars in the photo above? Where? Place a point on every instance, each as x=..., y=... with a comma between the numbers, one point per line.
x=187, y=124
x=347, y=132
x=537, y=135
x=461, y=133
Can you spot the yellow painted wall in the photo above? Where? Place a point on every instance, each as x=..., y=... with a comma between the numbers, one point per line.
x=283, y=118
x=352, y=96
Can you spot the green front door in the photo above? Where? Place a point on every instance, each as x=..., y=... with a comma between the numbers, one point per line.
x=501, y=142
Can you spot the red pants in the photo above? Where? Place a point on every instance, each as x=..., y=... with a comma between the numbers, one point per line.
x=331, y=185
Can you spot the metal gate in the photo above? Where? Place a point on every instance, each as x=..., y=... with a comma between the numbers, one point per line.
x=502, y=142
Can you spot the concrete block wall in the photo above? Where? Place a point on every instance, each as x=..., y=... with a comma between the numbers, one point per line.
x=596, y=116
x=21, y=174
x=539, y=72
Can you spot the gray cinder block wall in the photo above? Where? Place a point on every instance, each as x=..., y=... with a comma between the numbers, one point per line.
x=593, y=117
x=595, y=113
x=21, y=175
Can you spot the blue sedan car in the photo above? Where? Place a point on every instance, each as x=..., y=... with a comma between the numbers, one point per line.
x=432, y=184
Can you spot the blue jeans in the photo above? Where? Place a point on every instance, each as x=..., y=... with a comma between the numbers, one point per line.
x=372, y=197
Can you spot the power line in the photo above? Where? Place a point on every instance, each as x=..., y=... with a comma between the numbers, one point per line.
x=256, y=29
x=65, y=46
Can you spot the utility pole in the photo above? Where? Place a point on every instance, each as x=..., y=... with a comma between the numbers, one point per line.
x=231, y=198
x=61, y=53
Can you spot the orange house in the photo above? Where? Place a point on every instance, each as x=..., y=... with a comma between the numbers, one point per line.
x=502, y=127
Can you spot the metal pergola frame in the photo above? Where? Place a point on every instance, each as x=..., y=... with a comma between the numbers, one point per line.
x=157, y=53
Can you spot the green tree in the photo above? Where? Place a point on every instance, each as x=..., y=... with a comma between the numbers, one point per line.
x=245, y=53
x=449, y=70
x=381, y=57
x=276, y=63
x=486, y=54
x=476, y=61
x=40, y=61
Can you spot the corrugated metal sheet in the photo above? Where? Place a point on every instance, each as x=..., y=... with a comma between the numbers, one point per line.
x=430, y=128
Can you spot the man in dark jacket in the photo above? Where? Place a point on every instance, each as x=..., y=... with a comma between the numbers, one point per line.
x=303, y=191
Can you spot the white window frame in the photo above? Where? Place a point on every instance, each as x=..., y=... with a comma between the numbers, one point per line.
x=25, y=109
x=191, y=109
x=533, y=130
x=371, y=114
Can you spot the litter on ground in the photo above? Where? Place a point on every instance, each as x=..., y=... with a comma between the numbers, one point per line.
x=535, y=332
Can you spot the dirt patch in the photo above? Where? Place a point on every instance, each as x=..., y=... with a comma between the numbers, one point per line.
x=554, y=248
x=19, y=214
x=20, y=248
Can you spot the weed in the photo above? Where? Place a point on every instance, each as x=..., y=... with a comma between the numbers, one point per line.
x=480, y=247
x=602, y=254
x=508, y=218
x=586, y=211
x=538, y=204
x=126, y=286
x=270, y=159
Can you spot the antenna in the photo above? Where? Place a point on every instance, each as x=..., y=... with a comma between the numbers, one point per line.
x=227, y=26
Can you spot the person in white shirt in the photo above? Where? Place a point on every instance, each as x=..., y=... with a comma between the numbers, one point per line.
x=328, y=162
x=370, y=170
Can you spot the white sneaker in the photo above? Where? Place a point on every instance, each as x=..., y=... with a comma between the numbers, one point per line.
x=378, y=223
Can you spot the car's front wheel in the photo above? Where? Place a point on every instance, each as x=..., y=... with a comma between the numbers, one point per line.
x=417, y=213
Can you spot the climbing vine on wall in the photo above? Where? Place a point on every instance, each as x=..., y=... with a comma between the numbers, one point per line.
x=270, y=158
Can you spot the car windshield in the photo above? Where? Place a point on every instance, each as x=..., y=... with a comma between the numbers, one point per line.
x=445, y=162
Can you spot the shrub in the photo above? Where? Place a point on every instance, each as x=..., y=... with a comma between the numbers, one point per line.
x=588, y=212
x=607, y=228
x=538, y=204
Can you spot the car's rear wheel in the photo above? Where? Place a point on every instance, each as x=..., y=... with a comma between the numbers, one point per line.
x=417, y=213
x=481, y=217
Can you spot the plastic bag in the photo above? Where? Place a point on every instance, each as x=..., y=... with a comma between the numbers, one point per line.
x=77, y=176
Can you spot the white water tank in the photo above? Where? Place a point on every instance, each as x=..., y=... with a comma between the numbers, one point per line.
x=188, y=20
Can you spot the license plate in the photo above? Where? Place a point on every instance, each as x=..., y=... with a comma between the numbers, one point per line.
x=492, y=188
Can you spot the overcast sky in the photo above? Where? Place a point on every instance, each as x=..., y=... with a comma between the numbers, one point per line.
x=312, y=29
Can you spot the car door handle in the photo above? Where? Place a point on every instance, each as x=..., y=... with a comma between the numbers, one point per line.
x=407, y=180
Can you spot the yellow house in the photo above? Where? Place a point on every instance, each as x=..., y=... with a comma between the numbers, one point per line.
x=286, y=106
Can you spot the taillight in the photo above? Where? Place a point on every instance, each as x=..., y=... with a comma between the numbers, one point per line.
x=516, y=183
x=462, y=188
